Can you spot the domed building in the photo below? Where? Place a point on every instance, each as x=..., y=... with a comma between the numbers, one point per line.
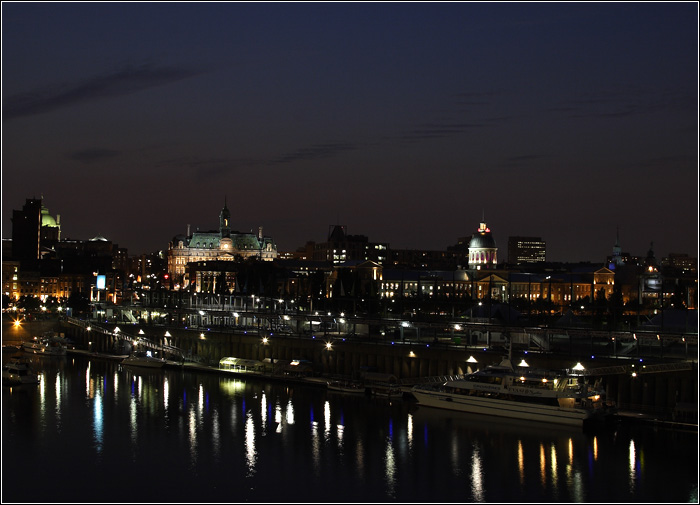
x=482, y=249
x=50, y=229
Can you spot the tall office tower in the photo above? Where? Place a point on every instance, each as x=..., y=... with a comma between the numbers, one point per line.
x=526, y=250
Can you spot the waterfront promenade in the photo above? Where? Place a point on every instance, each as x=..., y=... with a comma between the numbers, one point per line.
x=653, y=381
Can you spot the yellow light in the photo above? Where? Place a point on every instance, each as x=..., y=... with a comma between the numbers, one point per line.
x=17, y=323
x=328, y=345
x=264, y=340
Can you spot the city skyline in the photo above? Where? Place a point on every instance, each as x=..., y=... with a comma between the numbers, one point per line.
x=407, y=123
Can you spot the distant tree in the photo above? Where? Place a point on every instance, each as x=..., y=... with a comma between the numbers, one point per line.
x=78, y=302
x=221, y=284
x=29, y=303
x=616, y=306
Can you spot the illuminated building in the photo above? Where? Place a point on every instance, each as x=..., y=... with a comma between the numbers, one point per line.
x=223, y=244
x=34, y=231
x=341, y=247
x=526, y=250
x=482, y=249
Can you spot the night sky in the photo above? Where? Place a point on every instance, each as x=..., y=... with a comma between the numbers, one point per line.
x=403, y=121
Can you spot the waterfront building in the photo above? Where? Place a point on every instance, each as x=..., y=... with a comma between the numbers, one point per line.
x=223, y=244
x=522, y=250
x=426, y=284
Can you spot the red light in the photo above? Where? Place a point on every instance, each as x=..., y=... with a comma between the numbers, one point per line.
x=166, y=276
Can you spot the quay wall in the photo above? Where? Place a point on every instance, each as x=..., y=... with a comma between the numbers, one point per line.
x=654, y=393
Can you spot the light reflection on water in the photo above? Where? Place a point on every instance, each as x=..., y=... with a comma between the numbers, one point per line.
x=477, y=489
x=98, y=422
x=265, y=439
x=250, y=453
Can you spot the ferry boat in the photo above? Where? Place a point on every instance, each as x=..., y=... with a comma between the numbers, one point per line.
x=17, y=371
x=143, y=359
x=45, y=346
x=506, y=391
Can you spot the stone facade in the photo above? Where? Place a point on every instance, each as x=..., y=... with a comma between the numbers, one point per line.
x=223, y=244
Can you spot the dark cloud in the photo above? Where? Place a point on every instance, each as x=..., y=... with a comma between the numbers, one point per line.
x=626, y=103
x=315, y=152
x=438, y=130
x=93, y=155
x=524, y=158
x=210, y=167
x=123, y=82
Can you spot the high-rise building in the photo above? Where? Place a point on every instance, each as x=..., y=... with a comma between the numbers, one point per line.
x=526, y=250
x=35, y=233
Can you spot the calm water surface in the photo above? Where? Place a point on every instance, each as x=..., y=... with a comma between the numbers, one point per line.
x=94, y=431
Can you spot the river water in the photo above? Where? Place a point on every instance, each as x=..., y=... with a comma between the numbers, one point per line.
x=96, y=431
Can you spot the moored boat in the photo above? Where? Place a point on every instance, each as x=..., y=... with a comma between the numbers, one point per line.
x=519, y=393
x=342, y=386
x=17, y=371
x=143, y=359
x=45, y=346
x=386, y=390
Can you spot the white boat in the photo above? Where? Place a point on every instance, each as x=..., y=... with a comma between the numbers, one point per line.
x=45, y=346
x=17, y=371
x=143, y=359
x=342, y=386
x=386, y=390
x=519, y=393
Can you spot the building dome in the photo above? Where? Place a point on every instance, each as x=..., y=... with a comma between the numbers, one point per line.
x=482, y=249
x=47, y=219
x=482, y=241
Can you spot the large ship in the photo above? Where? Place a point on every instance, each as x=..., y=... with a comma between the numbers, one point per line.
x=503, y=390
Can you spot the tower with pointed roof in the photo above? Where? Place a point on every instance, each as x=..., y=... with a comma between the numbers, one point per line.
x=225, y=221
